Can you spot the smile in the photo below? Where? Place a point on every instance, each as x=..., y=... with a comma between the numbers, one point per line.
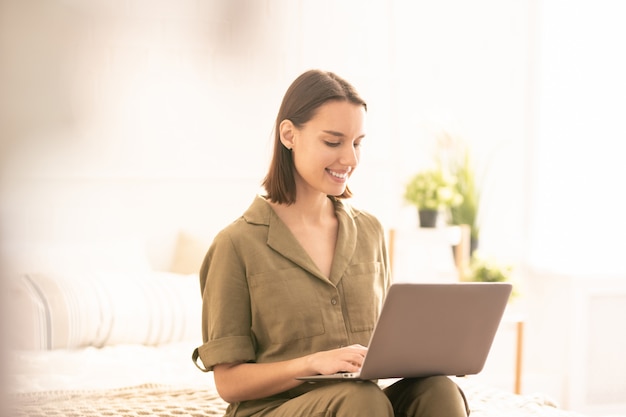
x=340, y=175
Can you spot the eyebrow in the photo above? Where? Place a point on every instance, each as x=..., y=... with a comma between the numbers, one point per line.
x=339, y=134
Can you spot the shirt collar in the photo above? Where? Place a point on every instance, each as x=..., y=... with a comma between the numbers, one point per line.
x=281, y=240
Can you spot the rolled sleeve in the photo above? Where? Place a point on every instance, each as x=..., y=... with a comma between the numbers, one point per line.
x=226, y=350
x=226, y=307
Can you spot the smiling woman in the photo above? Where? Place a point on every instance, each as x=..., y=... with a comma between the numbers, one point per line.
x=302, y=252
x=329, y=141
x=296, y=113
x=130, y=121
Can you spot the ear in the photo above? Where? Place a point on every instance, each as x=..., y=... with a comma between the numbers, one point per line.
x=287, y=133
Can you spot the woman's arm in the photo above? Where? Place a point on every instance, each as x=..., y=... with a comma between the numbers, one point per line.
x=237, y=382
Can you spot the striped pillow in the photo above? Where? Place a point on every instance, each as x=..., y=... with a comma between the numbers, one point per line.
x=73, y=311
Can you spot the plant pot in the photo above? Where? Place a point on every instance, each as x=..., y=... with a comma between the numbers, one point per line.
x=473, y=245
x=428, y=218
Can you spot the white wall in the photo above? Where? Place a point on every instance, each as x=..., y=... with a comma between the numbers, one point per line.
x=126, y=121
x=149, y=98
x=579, y=131
x=575, y=274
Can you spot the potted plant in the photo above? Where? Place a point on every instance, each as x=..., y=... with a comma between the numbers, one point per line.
x=430, y=191
x=466, y=212
x=454, y=154
x=483, y=270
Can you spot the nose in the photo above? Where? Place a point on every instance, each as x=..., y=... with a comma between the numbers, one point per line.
x=350, y=156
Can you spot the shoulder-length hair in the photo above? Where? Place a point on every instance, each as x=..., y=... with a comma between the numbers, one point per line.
x=305, y=95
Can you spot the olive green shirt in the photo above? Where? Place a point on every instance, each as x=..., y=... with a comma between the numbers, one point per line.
x=265, y=300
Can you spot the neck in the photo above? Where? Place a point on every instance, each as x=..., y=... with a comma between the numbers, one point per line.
x=312, y=208
x=307, y=209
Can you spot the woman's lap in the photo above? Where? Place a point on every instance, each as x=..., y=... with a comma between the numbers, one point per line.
x=417, y=397
x=345, y=399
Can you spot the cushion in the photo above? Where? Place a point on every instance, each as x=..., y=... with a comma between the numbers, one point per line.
x=103, y=308
x=189, y=254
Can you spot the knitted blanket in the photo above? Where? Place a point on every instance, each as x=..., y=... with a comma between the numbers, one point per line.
x=168, y=401
x=143, y=400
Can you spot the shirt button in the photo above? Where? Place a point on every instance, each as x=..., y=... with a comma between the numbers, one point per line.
x=333, y=301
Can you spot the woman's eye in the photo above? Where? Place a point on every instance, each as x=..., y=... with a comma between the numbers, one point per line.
x=332, y=144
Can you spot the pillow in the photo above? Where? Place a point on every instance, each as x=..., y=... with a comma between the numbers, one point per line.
x=189, y=254
x=99, y=309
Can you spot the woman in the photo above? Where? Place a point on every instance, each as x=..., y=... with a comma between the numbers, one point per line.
x=294, y=286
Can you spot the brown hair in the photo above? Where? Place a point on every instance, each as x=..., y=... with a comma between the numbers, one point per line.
x=303, y=97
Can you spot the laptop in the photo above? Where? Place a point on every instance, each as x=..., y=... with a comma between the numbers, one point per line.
x=432, y=329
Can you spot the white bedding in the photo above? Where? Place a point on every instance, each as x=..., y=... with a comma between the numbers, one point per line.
x=144, y=379
x=104, y=368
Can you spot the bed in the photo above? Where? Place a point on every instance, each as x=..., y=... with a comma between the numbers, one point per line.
x=119, y=344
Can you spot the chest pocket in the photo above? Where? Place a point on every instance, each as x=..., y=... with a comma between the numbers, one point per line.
x=283, y=308
x=363, y=286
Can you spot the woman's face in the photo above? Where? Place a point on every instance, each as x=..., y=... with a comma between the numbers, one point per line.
x=326, y=149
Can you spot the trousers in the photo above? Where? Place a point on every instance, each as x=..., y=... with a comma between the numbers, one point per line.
x=436, y=396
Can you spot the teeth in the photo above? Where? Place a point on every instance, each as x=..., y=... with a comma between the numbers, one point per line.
x=338, y=175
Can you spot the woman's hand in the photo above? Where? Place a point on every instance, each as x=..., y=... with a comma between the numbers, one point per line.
x=345, y=359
